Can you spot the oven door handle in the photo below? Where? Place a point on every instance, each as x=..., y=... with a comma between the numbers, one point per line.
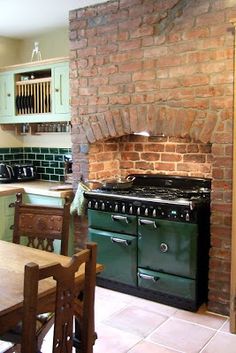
x=121, y=241
x=119, y=218
x=148, y=277
x=147, y=222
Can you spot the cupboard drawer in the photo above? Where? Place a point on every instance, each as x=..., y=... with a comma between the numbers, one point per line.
x=111, y=221
x=167, y=284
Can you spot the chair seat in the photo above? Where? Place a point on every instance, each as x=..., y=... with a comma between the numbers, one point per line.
x=13, y=336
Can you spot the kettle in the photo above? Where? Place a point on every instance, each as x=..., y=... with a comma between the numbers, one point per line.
x=6, y=173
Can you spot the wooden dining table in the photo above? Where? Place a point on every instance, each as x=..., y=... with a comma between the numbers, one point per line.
x=13, y=258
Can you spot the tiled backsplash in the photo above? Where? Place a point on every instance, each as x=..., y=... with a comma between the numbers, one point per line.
x=49, y=162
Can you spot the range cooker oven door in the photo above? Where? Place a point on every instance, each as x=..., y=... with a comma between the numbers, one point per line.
x=118, y=253
x=168, y=246
x=167, y=257
x=116, y=236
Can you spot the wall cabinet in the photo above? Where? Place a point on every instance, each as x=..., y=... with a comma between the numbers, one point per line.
x=7, y=216
x=35, y=92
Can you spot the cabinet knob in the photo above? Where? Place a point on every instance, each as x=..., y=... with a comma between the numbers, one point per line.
x=57, y=89
x=8, y=94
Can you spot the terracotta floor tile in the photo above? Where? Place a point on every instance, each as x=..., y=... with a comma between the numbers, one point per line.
x=148, y=347
x=225, y=327
x=221, y=343
x=202, y=317
x=112, y=340
x=154, y=307
x=136, y=320
x=109, y=302
x=181, y=335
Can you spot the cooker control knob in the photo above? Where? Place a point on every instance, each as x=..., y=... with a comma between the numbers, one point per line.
x=123, y=209
x=131, y=210
x=116, y=208
x=146, y=212
x=187, y=217
x=154, y=213
x=89, y=204
x=138, y=211
x=103, y=206
x=96, y=205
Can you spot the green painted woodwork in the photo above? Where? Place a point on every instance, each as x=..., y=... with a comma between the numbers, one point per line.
x=59, y=95
x=6, y=95
x=178, y=239
x=106, y=221
x=167, y=284
x=61, y=89
x=7, y=217
x=117, y=252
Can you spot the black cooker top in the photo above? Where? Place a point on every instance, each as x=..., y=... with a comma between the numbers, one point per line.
x=161, y=188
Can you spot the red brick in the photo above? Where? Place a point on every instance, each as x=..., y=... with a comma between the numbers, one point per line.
x=130, y=45
x=144, y=76
x=130, y=67
x=108, y=89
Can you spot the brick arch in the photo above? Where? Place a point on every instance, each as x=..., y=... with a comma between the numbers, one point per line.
x=158, y=121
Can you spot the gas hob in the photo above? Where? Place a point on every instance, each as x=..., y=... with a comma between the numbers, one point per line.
x=168, y=197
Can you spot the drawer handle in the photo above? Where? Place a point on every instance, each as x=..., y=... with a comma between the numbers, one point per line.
x=147, y=222
x=119, y=218
x=11, y=227
x=148, y=277
x=121, y=241
x=11, y=205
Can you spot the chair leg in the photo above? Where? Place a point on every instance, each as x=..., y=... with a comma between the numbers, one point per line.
x=77, y=336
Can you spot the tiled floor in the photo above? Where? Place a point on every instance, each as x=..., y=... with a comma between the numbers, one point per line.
x=129, y=324
x=126, y=324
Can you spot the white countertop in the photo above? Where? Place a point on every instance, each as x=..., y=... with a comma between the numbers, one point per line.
x=37, y=187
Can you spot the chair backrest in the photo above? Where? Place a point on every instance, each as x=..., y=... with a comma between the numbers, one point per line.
x=42, y=225
x=66, y=294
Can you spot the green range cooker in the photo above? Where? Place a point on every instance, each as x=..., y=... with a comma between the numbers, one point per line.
x=154, y=237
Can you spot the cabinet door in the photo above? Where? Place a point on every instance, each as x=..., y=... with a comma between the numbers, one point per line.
x=7, y=220
x=170, y=247
x=6, y=95
x=61, y=89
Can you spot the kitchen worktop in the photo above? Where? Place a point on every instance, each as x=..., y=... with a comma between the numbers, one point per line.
x=37, y=187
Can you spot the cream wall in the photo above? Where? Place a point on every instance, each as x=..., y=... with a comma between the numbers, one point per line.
x=53, y=44
x=12, y=51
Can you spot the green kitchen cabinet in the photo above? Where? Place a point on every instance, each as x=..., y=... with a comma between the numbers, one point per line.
x=61, y=89
x=35, y=92
x=7, y=216
x=6, y=95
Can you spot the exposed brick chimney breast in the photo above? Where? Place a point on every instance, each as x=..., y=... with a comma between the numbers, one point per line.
x=165, y=67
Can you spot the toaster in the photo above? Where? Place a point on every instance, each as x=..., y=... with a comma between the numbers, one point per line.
x=6, y=173
x=24, y=172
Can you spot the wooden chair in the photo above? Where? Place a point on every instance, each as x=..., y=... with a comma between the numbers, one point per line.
x=42, y=225
x=66, y=304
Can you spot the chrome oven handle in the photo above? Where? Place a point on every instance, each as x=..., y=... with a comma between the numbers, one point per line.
x=119, y=218
x=147, y=222
x=121, y=241
x=148, y=277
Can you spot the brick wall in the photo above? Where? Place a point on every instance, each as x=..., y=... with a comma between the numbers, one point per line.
x=165, y=66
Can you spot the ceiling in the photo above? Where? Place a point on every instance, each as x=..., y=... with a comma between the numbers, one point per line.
x=26, y=18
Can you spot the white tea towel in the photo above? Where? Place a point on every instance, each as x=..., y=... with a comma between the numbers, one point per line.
x=78, y=204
